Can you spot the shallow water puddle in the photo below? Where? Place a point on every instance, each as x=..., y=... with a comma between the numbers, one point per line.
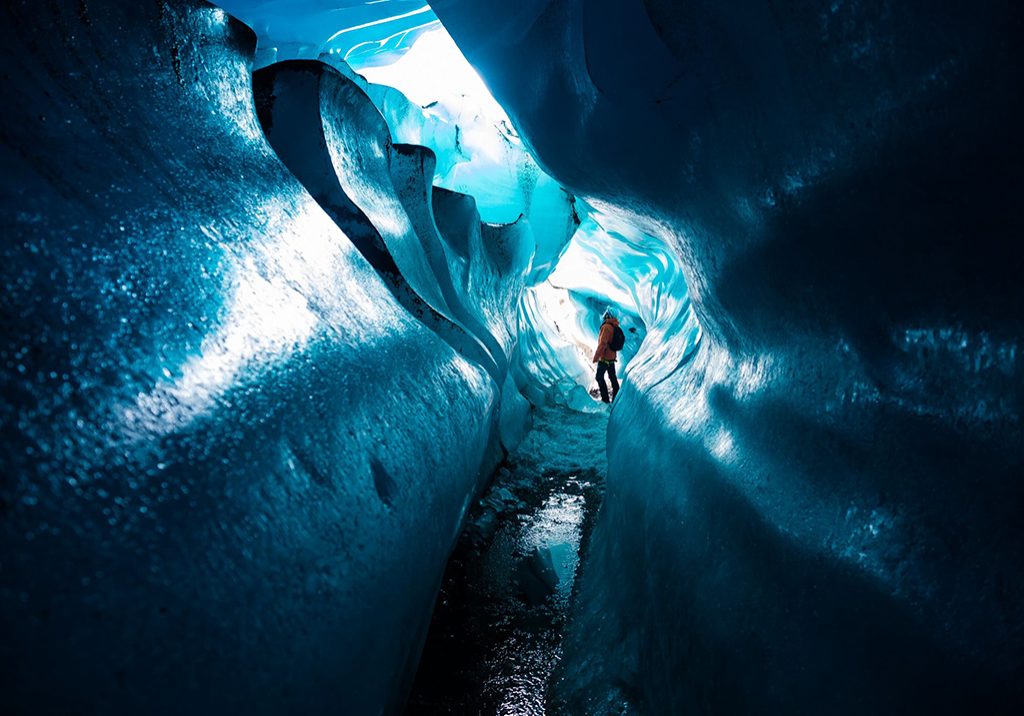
x=496, y=634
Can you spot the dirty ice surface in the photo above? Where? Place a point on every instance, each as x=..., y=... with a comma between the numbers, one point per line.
x=497, y=628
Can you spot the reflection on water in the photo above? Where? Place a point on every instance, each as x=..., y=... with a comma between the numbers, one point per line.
x=496, y=635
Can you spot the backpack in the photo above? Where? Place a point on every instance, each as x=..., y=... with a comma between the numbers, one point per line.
x=618, y=339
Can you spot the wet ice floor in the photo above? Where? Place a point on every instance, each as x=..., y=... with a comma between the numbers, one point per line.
x=497, y=628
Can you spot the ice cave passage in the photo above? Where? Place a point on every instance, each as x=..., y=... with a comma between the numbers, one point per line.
x=300, y=301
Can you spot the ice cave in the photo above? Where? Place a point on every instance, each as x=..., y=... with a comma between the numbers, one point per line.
x=303, y=302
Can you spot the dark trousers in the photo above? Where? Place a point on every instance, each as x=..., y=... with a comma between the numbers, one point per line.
x=602, y=368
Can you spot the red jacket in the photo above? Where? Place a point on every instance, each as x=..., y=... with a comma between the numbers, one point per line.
x=603, y=352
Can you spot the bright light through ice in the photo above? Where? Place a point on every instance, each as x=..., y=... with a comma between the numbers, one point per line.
x=584, y=270
x=722, y=446
x=431, y=95
x=263, y=318
x=434, y=70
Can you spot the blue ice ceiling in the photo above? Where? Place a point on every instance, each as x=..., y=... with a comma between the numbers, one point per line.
x=364, y=34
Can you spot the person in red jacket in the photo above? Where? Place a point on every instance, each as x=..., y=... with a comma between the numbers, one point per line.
x=605, y=357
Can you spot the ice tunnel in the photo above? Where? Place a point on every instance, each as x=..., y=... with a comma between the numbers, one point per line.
x=300, y=305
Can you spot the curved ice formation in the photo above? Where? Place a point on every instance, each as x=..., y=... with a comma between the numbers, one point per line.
x=432, y=96
x=288, y=101
x=234, y=464
x=818, y=512
x=386, y=187
x=324, y=128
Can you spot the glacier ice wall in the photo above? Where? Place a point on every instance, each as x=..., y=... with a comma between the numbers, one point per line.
x=237, y=450
x=818, y=511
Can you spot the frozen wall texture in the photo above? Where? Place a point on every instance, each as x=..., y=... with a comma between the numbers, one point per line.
x=819, y=510
x=237, y=443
